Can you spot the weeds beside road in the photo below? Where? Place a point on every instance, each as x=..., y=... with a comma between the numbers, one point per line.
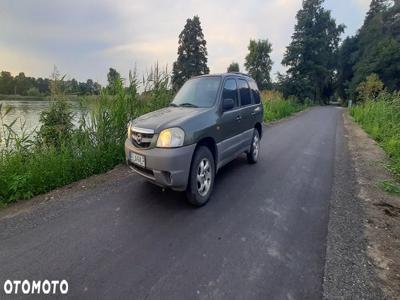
x=380, y=118
x=277, y=107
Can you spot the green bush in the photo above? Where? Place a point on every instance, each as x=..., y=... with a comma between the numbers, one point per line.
x=277, y=107
x=33, y=91
x=380, y=118
x=371, y=88
x=57, y=124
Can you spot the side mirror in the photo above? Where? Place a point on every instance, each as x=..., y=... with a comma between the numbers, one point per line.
x=227, y=104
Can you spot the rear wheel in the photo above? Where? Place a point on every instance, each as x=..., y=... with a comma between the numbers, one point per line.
x=201, y=177
x=252, y=155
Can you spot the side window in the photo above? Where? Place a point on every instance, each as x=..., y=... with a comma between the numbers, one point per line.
x=244, y=91
x=230, y=91
x=255, y=92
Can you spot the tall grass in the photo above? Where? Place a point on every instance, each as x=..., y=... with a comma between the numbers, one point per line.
x=277, y=107
x=29, y=166
x=380, y=118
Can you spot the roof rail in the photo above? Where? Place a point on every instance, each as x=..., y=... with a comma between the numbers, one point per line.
x=240, y=73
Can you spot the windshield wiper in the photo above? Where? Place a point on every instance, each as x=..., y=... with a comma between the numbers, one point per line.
x=173, y=104
x=187, y=104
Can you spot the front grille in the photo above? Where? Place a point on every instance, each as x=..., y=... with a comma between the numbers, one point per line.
x=140, y=139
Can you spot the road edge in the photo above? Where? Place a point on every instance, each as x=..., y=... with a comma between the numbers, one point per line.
x=382, y=224
x=349, y=272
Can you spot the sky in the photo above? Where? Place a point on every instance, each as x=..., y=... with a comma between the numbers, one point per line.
x=84, y=38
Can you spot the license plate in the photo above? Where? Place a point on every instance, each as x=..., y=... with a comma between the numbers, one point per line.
x=138, y=159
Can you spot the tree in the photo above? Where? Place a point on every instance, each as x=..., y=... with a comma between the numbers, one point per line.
x=96, y=88
x=233, y=67
x=192, y=54
x=21, y=84
x=311, y=57
x=347, y=59
x=113, y=78
x=43, y=85
x=72, y=86
x=375, y=8
x=384, y=60
x=84, y=90
x=258, y=62
x=378, y=42
x=6, y=83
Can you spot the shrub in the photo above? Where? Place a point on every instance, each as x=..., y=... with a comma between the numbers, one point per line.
x=380, y=117
x=370, y=88
x=57, y=124
x=277, y=107
x=33, y=91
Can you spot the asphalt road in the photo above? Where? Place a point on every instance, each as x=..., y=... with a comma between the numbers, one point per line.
x=261, y=236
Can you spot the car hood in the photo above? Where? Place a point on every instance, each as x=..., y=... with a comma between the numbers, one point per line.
x=167, y=117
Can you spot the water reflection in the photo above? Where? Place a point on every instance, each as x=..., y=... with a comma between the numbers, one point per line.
x=29, y=111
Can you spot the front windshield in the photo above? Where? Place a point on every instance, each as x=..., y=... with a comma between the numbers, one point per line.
x=198, y=92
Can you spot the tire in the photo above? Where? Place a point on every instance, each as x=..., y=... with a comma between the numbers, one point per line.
x=252, y=155
x=201, y=177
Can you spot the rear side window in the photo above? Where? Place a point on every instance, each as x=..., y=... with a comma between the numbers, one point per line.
x=230, y=91
x=244, y=91
x=255, y=92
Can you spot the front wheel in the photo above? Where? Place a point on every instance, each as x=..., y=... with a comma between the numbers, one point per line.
x=252, y=155
x=201, y=177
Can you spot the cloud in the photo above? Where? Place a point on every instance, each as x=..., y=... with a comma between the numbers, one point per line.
x=85, y=38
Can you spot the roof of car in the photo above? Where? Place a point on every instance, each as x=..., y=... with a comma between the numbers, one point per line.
x=237, y=74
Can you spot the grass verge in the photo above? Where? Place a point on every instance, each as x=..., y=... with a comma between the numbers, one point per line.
x=276, y=107
x=380, y=118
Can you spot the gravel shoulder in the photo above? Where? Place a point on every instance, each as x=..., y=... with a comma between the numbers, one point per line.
x=363, y=245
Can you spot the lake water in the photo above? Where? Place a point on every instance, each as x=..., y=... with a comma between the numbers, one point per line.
x=29, y=111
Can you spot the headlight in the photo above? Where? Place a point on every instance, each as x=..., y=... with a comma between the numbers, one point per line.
x=170, y=138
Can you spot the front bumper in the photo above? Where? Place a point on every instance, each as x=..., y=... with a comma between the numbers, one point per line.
x=165, y=167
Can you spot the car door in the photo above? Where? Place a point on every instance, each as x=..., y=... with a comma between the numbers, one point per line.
x=229, y=125
x=246, y=108
x=257, y=111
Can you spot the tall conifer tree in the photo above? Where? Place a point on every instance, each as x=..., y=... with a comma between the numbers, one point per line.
x=192, y=53
x=311, y=57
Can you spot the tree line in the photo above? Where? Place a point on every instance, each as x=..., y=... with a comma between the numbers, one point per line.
x=375, y=49
x=30, y=86
x=319, y=67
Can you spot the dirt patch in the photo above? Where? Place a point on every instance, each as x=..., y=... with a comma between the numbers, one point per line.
x=382, y=210
x=25, y=206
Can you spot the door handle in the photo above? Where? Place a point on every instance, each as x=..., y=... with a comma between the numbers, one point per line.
x=255, y=111
x=238, y=118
